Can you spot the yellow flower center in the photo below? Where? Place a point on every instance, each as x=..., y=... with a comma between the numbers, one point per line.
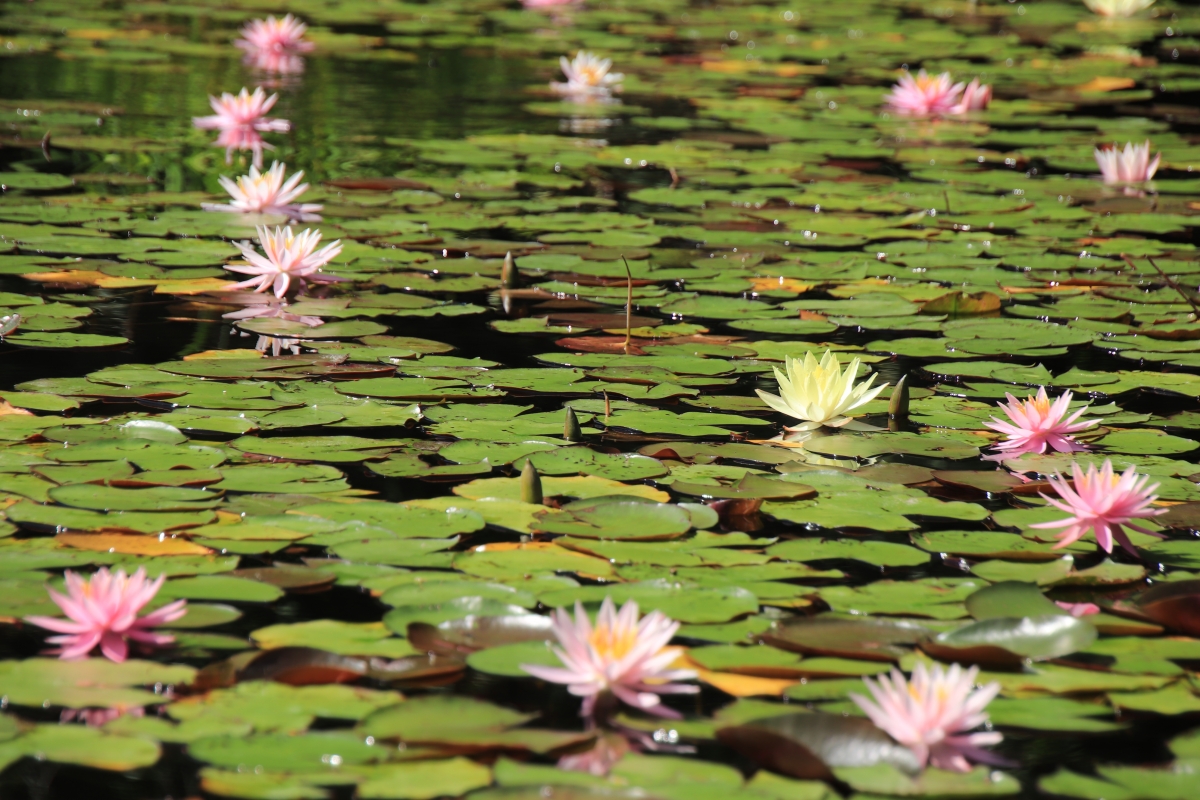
x=612, y=645
x=591, y=76
x=247, y=182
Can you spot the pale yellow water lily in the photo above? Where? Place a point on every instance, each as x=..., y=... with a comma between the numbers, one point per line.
x=820, y=393
x=1117, y=8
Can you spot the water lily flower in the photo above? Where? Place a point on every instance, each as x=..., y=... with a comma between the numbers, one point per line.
x=267, y=193
x=820, y=393
x=1078, y=609
x=275, y=45
x=103, y=611
x=288, y=258
x=925, y=95
x=241, y=119
x=1131, y=165
x=619, y=656
x=284, y=35
x=9, y=323
x=1101, y=501
x=933, y=714
x=1117, y=8
x=1038, y=424
x=588, y=74
x=975, y=97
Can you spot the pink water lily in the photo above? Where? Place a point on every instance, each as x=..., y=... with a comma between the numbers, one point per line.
x=975, y=97
x=1037, y=425
x=1101, y=501
x=103, y=611
x=277, y=35
x=932, y=715
x=620, y=655
x=925, y=95
x=1131, y=165
x=267, y=193
x=241, y=119
x=288, y=259
x=275, y=45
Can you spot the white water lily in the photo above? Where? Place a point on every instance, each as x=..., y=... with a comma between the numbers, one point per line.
x=1131, y=165
x=820, y=393
x=588, y=74
x=267, y=193
x=1117, y=8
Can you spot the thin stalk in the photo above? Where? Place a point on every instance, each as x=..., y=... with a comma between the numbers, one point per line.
x=628, y=305
x=1187, y=296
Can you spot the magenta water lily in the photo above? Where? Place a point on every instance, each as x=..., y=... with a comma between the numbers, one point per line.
x=102, y=611
x=1036, y=425
x=275, y=45
x=1102, y=501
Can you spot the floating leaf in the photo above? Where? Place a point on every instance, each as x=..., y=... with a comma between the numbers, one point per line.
x=617, y=518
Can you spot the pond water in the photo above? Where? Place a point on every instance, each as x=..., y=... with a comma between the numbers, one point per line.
x=372, y=494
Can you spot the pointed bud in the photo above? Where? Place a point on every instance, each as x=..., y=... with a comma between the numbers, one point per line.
x=898, y=407
x=531, y=484
x=571, y=430
x=607, y=408
x=508, y=273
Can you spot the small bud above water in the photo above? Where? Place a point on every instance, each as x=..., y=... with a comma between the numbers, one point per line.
x=898, y=406
x=571, y=430
x=508, y=273
x=531, y=484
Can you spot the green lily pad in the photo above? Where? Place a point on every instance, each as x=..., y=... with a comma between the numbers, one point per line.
x=90, y=683
x=618, y=518
x=156, y=498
